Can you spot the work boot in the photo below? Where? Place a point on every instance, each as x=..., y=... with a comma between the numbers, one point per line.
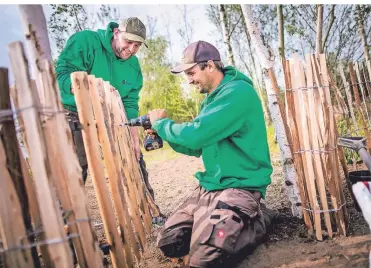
x=269, y=215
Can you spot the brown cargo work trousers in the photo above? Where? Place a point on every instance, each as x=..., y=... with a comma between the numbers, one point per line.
x=213, y=226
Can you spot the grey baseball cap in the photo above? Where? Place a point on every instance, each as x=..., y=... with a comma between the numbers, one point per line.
x=197, y=52
x=133, y=29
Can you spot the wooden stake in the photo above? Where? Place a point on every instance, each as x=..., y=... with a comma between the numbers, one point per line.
x=304, y=145
x=8, y=136
x=53, y=148
x=12, y=230
x=290, y=113
x=67, y=173
x=138, y=178
x=331, y=147
x=109, y=154
x=106, y=109
x=349, y=98
x=60, y=254
x=366, y=79
x=117, y=119
x=314, y=135
x=361, y=86
x=89, y=133
x=358, y=103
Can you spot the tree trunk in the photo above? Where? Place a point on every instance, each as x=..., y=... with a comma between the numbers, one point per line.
x=267, y=116
x=332, y=19
x=281, y=35
x=226, y=35
x=319, y=49
x=267, y=61
x=361, y=30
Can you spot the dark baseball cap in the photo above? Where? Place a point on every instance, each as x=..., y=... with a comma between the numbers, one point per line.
x=133, y=29
x=197, y=52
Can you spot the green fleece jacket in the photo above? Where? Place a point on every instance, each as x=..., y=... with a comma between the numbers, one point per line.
x=91, y=52
x=229, y=133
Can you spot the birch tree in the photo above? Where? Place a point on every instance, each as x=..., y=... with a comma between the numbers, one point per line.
x=319, y=49
x=226, y=34
x=266, y=59
x=281, y=34
x=362, y=32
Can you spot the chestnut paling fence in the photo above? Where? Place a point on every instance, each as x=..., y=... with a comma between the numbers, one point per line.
x=43, y=203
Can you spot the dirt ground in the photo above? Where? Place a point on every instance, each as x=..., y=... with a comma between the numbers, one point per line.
x=288, y=244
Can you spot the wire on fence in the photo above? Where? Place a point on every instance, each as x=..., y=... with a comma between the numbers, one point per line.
x=39, y=243
x=324, y=211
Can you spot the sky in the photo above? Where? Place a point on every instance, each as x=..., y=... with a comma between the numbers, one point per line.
x=11, y=28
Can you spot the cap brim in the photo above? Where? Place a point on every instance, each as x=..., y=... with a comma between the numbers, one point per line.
x=182, y=67
x=134, y=37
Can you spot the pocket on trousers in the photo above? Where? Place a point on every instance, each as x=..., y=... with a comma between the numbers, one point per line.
x=222, y=230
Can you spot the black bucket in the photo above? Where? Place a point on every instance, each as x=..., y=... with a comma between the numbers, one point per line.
x=356, y=176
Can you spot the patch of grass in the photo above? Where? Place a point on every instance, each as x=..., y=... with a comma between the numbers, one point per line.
x=273, y=147
x=163, y=154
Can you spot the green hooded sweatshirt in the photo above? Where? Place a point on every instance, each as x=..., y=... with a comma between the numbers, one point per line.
x=229, y=133
x=91, y=52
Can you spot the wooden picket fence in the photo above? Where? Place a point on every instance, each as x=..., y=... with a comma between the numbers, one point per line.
x=49, y=189
x=313, y=135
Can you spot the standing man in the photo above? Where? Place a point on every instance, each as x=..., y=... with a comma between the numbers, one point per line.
x=108, y=54
x=224, y=214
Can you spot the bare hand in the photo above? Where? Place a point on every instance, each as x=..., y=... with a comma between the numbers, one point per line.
x=157, y=114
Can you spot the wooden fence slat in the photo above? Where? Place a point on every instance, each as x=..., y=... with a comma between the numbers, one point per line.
x=123, y=146
x=345, y=115
x=59, y=251
x=358, y=104
x=331, y=146
x=304, y=145
x=366, y=79
x=13, y=231
x=368, y=64
x=361, y=86
x=29, y=182
x=8, y=136
x=53, y=149
x=349, y=98
x=137, y=176
x=290, y=117
x=112, y=169
x=314, y=135
x=89, y=133
x=106, y=108
x=68, y=174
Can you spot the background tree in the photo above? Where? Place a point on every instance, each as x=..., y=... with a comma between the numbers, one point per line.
x=66, y=20
x=162, y=89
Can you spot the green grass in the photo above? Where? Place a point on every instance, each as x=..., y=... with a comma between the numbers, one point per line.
x=273, y=147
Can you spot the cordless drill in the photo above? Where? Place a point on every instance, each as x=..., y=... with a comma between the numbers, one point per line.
x=151, y=141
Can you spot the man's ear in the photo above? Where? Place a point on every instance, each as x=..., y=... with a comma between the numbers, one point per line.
x=116, y=32
x=211, y=65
